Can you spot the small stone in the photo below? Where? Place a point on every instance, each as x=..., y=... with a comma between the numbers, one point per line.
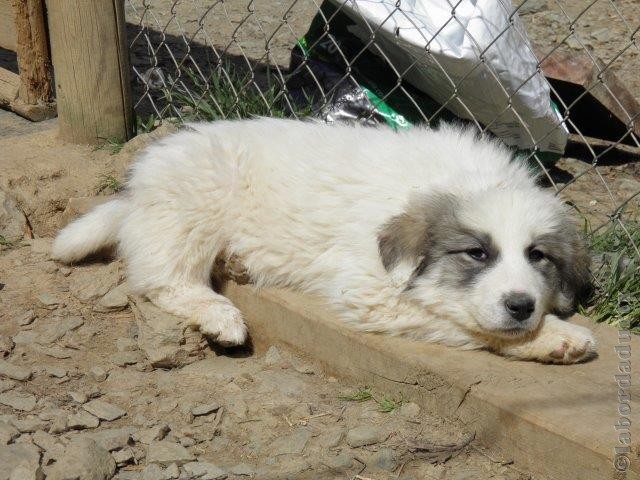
x=293, y=443
x=204, y=471
x=242, y=469
x=57, y=327
x=27, y=318
x=126, y=345
x=122, y=359
x=14, y=372
x=25, y=337
x=98, y=374
x=7, y=433
x=115, y=300
x=409, y=410
x=332, y=437
x=49, y=301
x=24, y=402
x=6, y=385
x=172, y=471
x=165, y=452
x=113, y=438
x=78, y=397
x=123, y=457
x=152, y=434
x=82, y=420
x=385, y=459
x=603, y=35
x=83, y=459
x=24, y=455
x=272, y=357
x=187, y=442
x=65, y=271
x=26, y=472
x=55, y=371
x=54, y=352
x=6, y=346
x=103, y=410
x=48, y=442
x=205, y=409
x=533, y=6
x=30, y=424
x=365, y=435
x=156, y=472
x=88, y=286
x=304, y=368
x=340, y=463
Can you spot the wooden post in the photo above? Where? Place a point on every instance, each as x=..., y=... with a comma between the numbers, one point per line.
x=91, y=68
x=33, y=51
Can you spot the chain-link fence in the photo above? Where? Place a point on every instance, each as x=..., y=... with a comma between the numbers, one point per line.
x=409, y=62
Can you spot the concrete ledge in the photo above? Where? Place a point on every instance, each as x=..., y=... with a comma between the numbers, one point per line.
x=556, y=422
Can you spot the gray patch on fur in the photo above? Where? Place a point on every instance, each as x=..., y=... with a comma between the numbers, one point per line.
x=429, y=231
x=408, y=236
x=566, y=266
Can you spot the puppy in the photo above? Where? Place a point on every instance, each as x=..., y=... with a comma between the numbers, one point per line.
x=437, y=235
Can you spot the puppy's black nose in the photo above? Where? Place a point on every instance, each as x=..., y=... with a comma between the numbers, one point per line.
x=519, y=305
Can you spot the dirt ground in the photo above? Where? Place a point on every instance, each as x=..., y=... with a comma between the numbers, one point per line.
x=80, y=395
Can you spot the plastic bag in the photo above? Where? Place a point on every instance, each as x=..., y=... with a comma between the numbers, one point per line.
x=391, y=61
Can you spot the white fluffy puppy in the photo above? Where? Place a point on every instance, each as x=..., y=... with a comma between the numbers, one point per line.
x=434, y=234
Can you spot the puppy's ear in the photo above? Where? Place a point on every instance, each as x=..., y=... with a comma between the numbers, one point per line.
x=573, y=260
x=576, y=275
x=405, y=237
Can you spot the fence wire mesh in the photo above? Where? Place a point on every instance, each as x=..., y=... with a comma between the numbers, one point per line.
x=207, y=60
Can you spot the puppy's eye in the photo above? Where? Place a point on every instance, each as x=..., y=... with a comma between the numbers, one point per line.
x=535, y=255
x=477, y=254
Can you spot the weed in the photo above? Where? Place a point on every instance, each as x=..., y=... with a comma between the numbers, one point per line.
x=363, y=394
x=109, y=183
x=616, y=274
x=230, y=93
x=112, y=145
x=388, y=404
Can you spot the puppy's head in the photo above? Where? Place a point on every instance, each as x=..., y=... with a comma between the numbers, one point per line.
x=495, y=261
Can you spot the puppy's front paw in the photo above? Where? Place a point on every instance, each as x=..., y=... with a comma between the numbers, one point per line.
x=571, y=344
x=225, y=326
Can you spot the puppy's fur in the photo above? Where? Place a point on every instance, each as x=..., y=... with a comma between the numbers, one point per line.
x=433, y=234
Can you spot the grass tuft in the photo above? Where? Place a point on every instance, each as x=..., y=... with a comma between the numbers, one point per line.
x=617, y=275
x=109, y=183
x=230, y=93
x=112, y=145
x=363, y=394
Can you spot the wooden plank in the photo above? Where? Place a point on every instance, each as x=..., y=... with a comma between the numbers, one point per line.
x=7, y=26
x=33, y=52
x=91, y=67
x=9, y=87
x=606, y=110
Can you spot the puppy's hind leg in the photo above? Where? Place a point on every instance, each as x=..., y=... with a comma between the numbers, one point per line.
x=213, y=314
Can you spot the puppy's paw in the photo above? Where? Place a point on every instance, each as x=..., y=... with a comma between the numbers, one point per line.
x=564, y=344
x=225, y=326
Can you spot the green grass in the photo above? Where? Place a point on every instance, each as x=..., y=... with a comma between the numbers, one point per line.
x=230, y=93
x=109, y=183
x=617, y=275
x=364, y=394
x=112, y=145
x=6, y=243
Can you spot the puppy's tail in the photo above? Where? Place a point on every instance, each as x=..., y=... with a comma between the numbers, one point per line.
x=90, y=233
